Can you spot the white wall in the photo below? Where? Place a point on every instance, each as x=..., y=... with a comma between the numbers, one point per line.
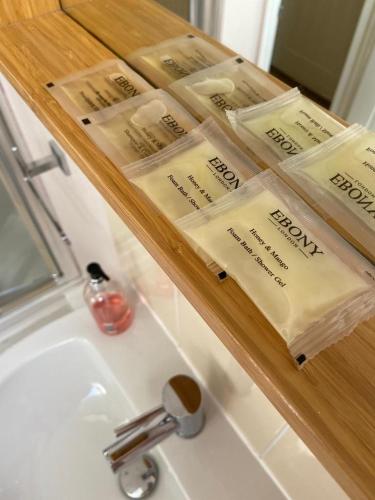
x=362, y=109
x=354, y=99
x=249, y=27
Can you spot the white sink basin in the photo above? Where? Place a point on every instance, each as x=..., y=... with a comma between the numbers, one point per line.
x=65, y=387
x=57, y=412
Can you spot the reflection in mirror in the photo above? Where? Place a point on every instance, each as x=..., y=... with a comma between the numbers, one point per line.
x=329, y=65
x=190, y=10
x=125, y=26
x=180, y=7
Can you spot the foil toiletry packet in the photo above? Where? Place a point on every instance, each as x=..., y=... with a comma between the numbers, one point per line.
x=192, y=172
x=175, y=58
x=138, y=127
x=97, y=87
x=311, y=285
x=283, y=127
x=339, y=175
x=232, y=84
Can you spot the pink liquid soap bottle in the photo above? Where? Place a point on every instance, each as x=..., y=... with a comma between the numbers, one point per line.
x=106, y=301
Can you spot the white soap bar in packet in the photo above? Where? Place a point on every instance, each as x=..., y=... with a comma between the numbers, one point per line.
x=339, y=176
x=175, y=58
x=232, y=84
x=283, y=127
x=192, y=172
x=97, y=87
x=138, y=127
x=311, y=285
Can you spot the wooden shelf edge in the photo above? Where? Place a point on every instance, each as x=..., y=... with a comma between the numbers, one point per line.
x=338, y=426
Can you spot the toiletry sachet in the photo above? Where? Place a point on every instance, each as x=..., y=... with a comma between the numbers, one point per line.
x=192, y=172
x=339, y=177
x=138, y=127
x=311, y=285
x=283, y=127
x=175, y=58
x=105, y=84
x=234, y=83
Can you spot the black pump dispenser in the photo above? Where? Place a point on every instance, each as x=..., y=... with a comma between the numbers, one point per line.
x=96, y=272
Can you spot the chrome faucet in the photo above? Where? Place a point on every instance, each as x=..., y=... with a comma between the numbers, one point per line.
x=181, y=412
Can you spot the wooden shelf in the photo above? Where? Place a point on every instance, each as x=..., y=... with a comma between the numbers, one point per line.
x=331, y=403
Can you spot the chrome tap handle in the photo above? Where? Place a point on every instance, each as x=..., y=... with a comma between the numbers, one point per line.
x=181, y=412
x=182, y=400
x=141, y=421
x=125, y=450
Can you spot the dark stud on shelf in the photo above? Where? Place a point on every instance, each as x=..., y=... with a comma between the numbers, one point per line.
x=301, y=359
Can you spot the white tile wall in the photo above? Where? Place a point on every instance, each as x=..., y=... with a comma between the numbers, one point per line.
x=248, y=408
x=299, y=472
x=146, y=275
x=287, y=458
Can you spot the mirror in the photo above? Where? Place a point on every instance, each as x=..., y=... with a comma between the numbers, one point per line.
x=127, y=26
x=319, y=57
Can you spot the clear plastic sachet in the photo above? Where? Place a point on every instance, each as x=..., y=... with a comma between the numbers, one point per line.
x=97, y=87
x=138, y=127
x=283, y=127
x=232, y=84
x=311, y=285
x=191, y=173
x=339, y=176
x=175, y=58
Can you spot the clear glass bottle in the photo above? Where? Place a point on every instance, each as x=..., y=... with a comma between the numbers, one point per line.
x=106, y=301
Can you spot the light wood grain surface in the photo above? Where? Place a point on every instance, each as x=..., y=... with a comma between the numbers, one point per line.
x=12, y=11
x=331, y=403
x=132, y=24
